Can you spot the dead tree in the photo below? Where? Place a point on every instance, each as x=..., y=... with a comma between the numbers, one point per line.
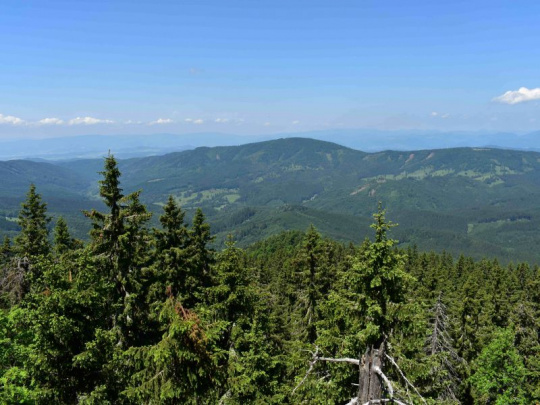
x=13, y=279
x=370, y=383
x=439, y=345
x=374, y=386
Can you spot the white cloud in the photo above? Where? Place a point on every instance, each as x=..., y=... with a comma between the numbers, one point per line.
x=10, y=119
x=197, y=121
x=221, y=120
x=88, y=121
x=437, y=114
x=161, y=121
x=296, y=122
x=266, y=124
x=50, y=121
x=519, y=96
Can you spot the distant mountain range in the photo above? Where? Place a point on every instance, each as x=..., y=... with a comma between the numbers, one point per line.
x=479, y=201
x=127, y=146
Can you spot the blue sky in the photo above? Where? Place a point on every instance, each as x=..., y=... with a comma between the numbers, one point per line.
x=258, y=67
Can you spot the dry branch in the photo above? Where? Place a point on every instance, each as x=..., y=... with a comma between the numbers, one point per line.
x=405, y=378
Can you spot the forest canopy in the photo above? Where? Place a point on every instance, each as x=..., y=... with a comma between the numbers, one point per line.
x=156, y=316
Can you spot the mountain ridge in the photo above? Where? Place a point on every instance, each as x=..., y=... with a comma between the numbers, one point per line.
x=368, y=140
x=460, y=199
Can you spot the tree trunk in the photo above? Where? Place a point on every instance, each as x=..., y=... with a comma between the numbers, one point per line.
x=370, y=385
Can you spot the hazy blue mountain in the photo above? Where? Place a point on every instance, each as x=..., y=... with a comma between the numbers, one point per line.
x=127, y=146
x=480, y=201
x=93, y=146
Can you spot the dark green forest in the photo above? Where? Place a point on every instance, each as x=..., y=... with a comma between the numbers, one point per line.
x=149, y=311
x=475, y=201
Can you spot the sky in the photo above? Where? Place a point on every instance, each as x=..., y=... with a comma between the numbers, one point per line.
x=260, y=67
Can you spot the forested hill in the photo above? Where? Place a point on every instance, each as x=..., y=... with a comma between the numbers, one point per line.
x=482, y=202
x=157, y=316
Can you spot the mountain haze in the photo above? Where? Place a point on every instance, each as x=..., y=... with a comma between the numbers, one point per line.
x=369, y=140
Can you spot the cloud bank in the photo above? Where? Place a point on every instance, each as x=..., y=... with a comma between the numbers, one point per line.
x=519, y=96
x=197, y=121
x=88, y=121
x=10, y=119
x=161, y=121
x=53, y=121
x=50, y=121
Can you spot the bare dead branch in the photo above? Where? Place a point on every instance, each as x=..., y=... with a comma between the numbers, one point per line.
x=383, y=401
x=386, y=381
x=405, y=378
x=341, y=360
x=310, y=369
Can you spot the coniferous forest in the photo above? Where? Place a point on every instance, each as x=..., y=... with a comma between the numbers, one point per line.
x=142, y=315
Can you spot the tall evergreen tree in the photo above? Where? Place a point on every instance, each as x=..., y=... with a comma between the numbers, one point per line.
x=200, y=261
x=311, y=281
x=63, y=242
x=33, y=239
x=6, y=251
x=369, y=309
x=172, y=255
x=121, y=245
x=382, y=282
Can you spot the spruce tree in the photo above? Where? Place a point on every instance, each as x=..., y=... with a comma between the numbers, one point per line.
x=200, y=261
x=368, y=310
x=172, y=255
x=6, y=251
x=120, y=243
x=33, y=239
x=382, y=280
x=310, y=280
x=62, y=239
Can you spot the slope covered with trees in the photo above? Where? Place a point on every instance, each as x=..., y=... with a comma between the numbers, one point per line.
x=472, y=201
x=143, y=314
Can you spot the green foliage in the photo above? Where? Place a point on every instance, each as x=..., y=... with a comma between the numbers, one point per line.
x=181, y=367
x=63, y=242
x=33, y=220
x=170, y=271
x=121, y=244
x=380, y=282
x=499, y=372
x=200, y=260
x=157, y=316
x=14, y=352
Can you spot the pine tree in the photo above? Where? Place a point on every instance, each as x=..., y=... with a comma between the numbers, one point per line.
x=63, y=242
x=200, y=261
x=6, y=251
x=180, y=368
x=232, y=296
x=120, y=242
x=367, y=311
x=382, y=282
x=311, y=281
x=33, y=220
x=172, y=255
